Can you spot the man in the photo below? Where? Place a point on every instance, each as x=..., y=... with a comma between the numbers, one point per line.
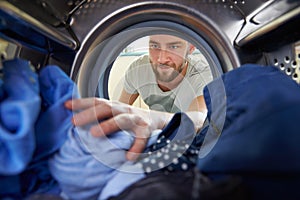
x=167, y=79
x=177, y=79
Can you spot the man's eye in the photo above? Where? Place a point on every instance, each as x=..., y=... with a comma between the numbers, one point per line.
x=154, y=46
x=173, y=46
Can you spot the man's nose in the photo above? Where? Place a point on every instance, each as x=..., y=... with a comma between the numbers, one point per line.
x=163, y=56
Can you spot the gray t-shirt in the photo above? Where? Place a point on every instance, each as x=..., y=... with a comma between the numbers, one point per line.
x=140, y=79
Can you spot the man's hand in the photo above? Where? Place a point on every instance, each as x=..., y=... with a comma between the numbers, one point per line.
x=114, y=116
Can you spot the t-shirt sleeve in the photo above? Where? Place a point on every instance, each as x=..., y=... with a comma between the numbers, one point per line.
x=206, y=77
x=130, y=77
x=200, y=75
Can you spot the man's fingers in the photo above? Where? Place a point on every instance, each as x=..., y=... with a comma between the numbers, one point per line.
x=110, y=126
x=92, y=114
x=94, y=109
x=105, y=127
x=123, y=121
x=113, y=117
x=137, y=148
x=130, y=122
x=80, y=104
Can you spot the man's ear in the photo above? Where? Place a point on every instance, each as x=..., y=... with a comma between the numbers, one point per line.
x=191, y=48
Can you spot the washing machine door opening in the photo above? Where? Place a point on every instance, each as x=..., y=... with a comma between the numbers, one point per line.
x=99, y=59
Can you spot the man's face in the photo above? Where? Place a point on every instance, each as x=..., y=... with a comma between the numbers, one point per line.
x=168, y=56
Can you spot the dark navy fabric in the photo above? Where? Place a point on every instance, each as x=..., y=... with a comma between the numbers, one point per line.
x=259, y=138
x=176, y=148
x=29, y=132
x=1, y=90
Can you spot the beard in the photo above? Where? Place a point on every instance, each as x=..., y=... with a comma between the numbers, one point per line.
x=167, y=76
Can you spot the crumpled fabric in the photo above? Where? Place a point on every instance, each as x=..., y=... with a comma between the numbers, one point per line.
x=19, y=109
x=45, y=127
x=85, y=164
x=51, y=127
x=54, y=120
x=176, y=148
x=33, y=126
x=258, y=137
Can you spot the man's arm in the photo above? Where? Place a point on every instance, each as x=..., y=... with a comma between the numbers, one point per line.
x=128, y=98
x=197, y=111
x=198, y=104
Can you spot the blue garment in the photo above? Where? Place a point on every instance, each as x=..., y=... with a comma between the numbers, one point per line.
x=19, y=110
x=258, y=139
x=87, y=167
x=29, y=135
x=54, y=120
x=51, y=127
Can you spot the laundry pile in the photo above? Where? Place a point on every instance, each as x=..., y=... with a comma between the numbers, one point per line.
x=33, y=125
x=248, y=147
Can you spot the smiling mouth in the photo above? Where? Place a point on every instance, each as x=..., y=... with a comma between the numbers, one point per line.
x=164, y=67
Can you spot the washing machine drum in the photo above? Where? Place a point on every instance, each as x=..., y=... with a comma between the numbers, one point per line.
x=108, y=29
